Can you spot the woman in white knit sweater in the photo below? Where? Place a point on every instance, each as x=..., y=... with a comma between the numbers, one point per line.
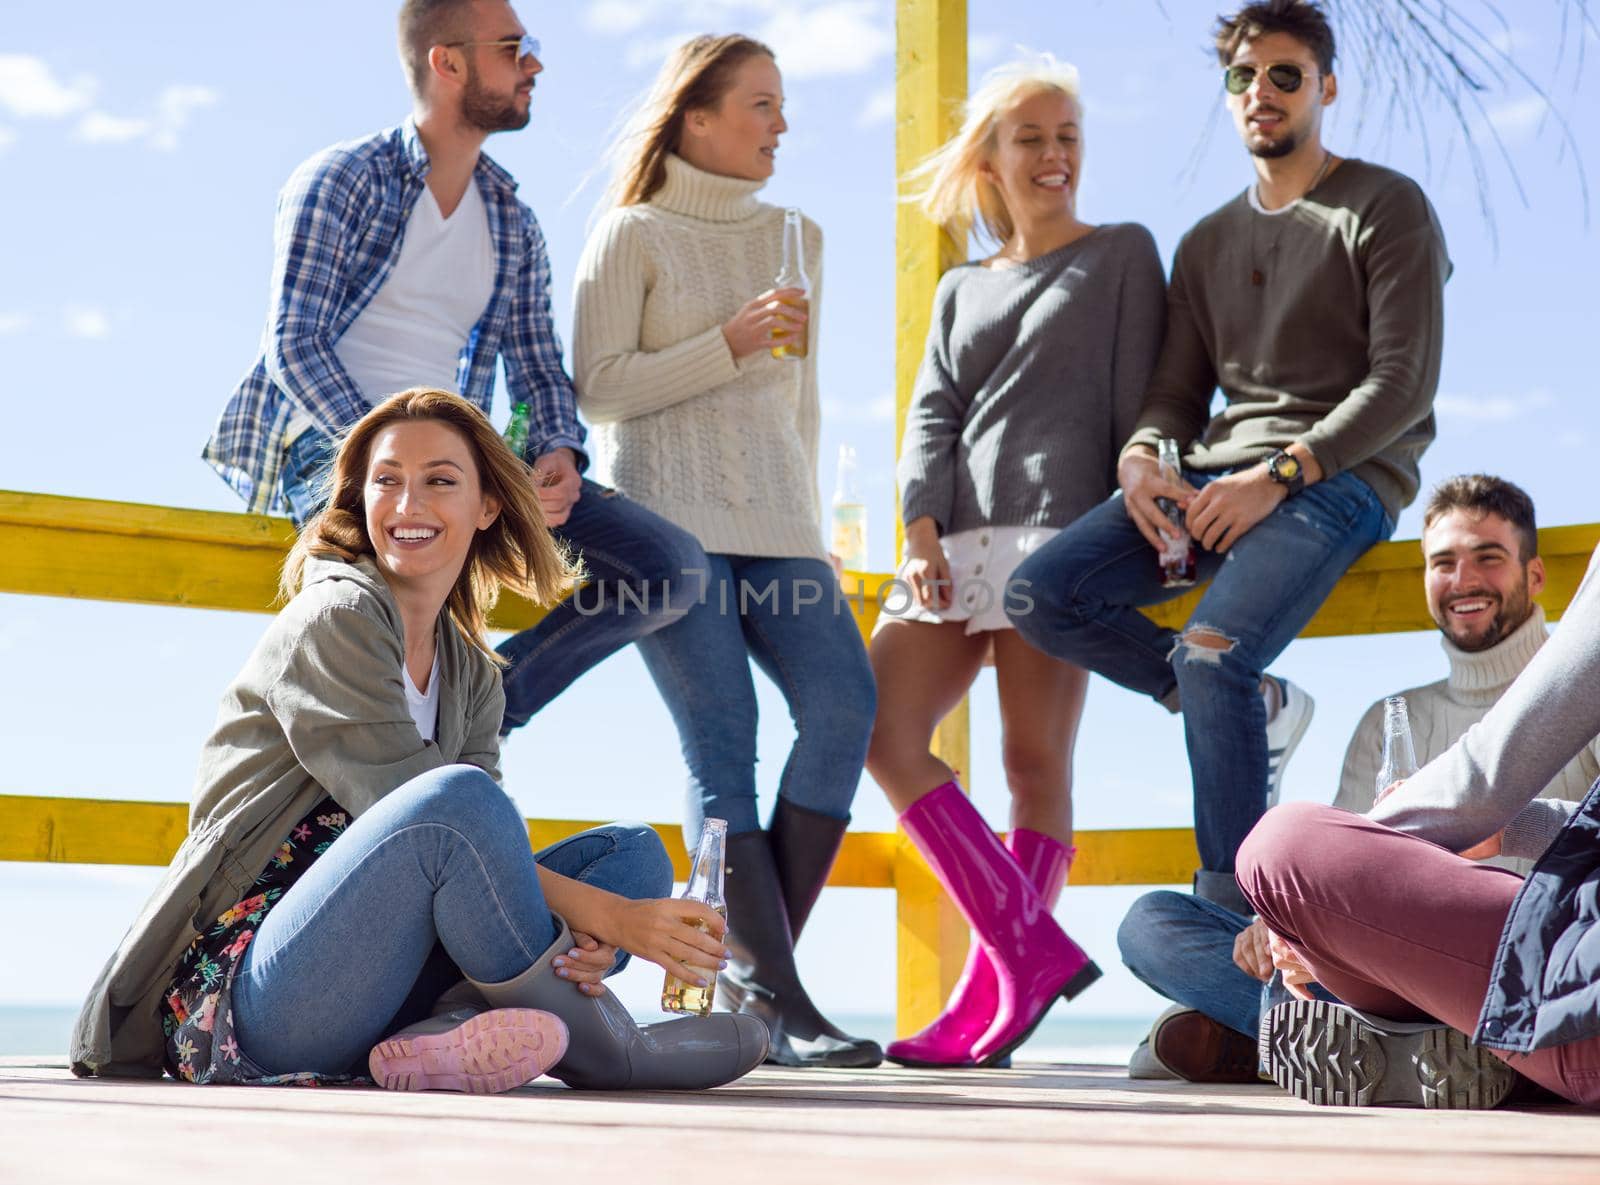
x=697, y=420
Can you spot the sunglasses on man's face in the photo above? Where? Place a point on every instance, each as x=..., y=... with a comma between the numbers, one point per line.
x=1284, y=76
x=525, y=49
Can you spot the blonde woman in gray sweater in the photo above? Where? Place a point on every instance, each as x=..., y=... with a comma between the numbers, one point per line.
x=675, y=336
x=1036, y=364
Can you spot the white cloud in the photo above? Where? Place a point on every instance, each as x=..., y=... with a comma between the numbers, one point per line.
x=85, y=321
x=1519, y=118
x=14, y=323
x=1491, y=409
x=843, y=37
x=96, y=127
x=29, y=89
x=173, y=106
x=879, y=109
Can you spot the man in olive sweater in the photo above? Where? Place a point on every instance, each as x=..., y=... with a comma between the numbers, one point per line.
x=1314, y=300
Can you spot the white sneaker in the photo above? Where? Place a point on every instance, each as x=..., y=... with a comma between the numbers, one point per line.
x=1295, y=709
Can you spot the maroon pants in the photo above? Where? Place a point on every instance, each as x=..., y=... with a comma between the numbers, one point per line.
x=1395, y=925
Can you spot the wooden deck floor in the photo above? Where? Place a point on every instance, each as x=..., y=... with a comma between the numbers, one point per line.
x=1035, y=1123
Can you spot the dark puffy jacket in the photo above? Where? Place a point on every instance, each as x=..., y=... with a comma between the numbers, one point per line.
x=1544, y=986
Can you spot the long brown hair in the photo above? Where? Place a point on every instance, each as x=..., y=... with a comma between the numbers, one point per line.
x=695, y=78
x=516, y=551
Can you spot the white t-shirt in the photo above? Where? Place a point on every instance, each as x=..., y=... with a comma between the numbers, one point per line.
x=424, y=705
x=415, y=328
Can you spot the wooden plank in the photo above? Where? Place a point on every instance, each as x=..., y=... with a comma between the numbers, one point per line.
x=930, y=86
x=1038, y=1122
x=157, y=555
x=41, y=829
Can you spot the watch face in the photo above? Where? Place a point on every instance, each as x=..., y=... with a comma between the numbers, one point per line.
x=1288, y=468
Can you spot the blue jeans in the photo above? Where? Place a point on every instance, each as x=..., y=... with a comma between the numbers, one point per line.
x=306, y=465
x=1088, y=583
x=434, y=882
x=783, y=613
x=1182, y=947
x=643, y=574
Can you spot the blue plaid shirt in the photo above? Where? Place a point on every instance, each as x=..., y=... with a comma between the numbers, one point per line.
x=339, y=225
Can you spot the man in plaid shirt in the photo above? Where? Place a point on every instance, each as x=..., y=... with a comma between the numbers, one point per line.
x=404, y=259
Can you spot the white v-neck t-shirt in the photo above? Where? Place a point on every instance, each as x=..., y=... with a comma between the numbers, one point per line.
x=423, y=705
x=416, y=326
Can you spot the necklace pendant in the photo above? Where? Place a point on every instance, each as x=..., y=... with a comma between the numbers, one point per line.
x=1256, y=278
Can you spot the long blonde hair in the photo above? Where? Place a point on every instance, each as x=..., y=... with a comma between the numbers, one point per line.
x=516, y=551
x=949, y=185
x=695, y=78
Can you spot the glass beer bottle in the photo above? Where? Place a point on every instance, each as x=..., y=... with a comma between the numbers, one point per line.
x=1399, y=754
x=1178, y=564
x=705, y=886
x=793, y=275
x=516, y=434
x=849, y=534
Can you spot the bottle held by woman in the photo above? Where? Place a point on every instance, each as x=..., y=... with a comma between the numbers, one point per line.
x=792, y=278
x=700, y=381
x=391, y=920
x=1036, y=362
x=705, y=886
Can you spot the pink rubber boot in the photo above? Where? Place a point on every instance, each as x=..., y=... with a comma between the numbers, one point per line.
x=1032, y=958
x=949, y=1038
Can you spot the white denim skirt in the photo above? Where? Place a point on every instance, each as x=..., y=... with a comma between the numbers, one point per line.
x=982, y=563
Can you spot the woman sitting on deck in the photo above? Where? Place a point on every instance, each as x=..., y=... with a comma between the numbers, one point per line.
x=1036, y=365
x=351, y=855
x=696, y=376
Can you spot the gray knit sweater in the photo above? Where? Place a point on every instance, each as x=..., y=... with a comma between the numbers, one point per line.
x=1032, y=380
x=1488, y=779
x=1322, y=323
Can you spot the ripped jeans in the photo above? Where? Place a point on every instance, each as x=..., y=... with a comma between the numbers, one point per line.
x=1088, y=583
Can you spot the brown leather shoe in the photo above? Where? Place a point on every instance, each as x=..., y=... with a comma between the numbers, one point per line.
x=1199, y=1049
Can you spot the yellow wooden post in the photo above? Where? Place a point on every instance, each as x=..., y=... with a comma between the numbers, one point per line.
x=930, y=85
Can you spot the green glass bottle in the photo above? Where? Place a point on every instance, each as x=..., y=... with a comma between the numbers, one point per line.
x=517, y=430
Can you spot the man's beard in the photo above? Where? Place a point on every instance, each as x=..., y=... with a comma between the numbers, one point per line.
x=1275, y=149
x=1515, y=609
x=490, y=113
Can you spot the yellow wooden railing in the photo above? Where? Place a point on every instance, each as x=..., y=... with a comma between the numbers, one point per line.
x=117, y=551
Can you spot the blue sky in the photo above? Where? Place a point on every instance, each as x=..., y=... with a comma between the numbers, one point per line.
x=141, y=155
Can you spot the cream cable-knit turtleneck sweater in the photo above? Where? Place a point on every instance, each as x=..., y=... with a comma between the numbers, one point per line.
x=1442, y=711
x=725, y=449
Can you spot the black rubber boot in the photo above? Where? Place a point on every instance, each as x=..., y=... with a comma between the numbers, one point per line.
x=804, y=845
x=607, y=1050
x=761, y=979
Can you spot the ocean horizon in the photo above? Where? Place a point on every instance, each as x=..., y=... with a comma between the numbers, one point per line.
x=43, y=1031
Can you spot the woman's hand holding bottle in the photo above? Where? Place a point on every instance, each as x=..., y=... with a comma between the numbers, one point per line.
x=775, y=318
x=682, y=937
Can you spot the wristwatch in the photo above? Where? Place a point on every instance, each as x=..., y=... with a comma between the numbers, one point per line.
x=1286, y=471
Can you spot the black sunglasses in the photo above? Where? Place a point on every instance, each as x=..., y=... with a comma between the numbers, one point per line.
x=1284, y=76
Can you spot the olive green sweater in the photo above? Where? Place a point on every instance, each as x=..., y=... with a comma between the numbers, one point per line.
x=1322, y=323
x=319, y=709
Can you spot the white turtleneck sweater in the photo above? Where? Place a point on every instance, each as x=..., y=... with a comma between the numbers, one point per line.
x=1441, y=712
x=725, y=449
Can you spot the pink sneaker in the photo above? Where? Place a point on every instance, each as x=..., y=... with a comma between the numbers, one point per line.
x=470, y=1051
